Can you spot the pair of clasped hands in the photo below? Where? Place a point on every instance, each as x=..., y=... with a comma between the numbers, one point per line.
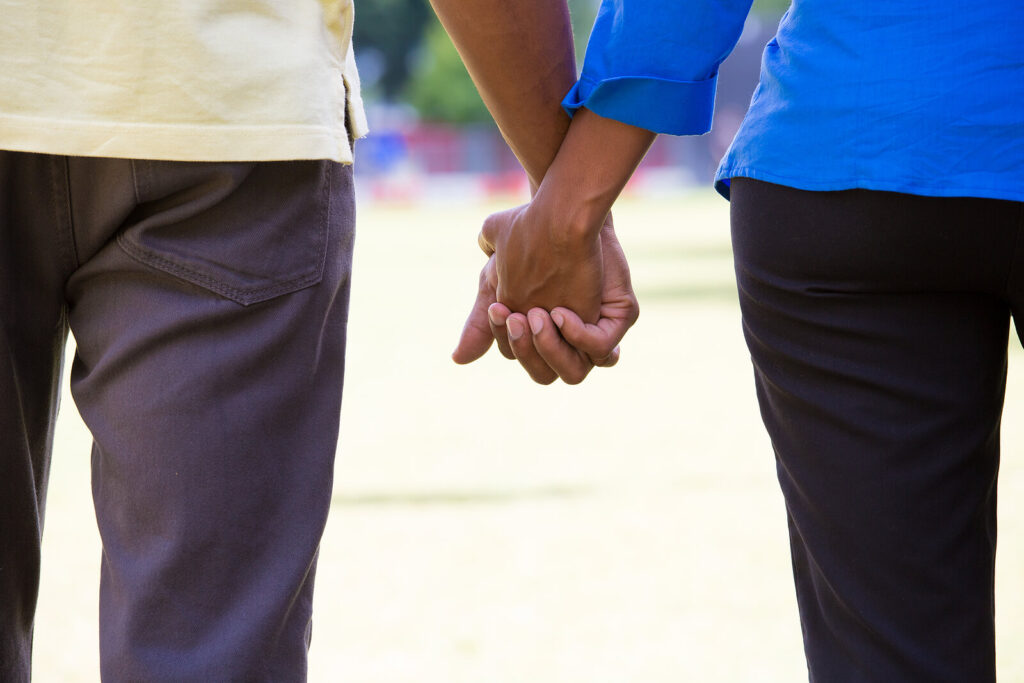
x=555, y=293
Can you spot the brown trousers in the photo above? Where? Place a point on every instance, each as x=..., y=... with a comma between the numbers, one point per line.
x=209, y=304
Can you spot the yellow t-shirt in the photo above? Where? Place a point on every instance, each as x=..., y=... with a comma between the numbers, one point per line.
x=188, y=80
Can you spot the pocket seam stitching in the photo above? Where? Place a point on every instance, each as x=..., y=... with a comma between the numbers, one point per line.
x=249, y=295
x=243, y=296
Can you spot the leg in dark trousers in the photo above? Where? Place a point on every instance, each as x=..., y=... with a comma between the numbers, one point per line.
x=35, y=255
x=877, y=324
x=209, y=305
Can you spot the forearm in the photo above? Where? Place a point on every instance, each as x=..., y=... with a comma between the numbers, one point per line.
x=593, y=165
x=520, y=56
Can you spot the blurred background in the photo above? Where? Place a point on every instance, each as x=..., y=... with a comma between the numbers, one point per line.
x=488, y=530
x=432, y=135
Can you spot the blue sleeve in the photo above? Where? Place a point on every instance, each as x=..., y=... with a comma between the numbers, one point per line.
x=654, y=64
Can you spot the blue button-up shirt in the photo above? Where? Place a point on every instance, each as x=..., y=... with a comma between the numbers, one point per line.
x=917, y=96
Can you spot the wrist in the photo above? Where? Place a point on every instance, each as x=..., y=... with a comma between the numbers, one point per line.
x=592, y=166
x=572, y=217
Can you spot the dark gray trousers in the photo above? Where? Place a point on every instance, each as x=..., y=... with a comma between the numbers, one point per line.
x=209, y=304
x=877, y=323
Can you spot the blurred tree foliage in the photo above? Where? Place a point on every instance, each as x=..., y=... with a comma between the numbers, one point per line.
x=770, y=6
x=440, y=88
x=392, y=29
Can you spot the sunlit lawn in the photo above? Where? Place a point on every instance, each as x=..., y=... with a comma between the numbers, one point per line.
x=489, y=530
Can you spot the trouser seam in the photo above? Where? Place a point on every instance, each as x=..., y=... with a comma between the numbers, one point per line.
x=68, y=224
x=135, y=181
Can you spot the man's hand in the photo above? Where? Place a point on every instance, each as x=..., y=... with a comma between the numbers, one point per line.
x=541, y=261
x=562, y=343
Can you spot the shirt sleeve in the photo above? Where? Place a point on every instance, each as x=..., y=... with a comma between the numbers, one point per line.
x=654, y=63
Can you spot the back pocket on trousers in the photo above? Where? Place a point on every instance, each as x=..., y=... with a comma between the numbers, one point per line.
x=246, y=231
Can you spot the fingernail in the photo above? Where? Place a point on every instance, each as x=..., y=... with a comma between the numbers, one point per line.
x=515, y=328
x=536, y=323
x=492, y=317
x=558, y=318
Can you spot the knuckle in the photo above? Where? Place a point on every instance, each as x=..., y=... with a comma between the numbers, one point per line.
x=578, y=372
x=486, y=286
x=524, y=350
x=488, y=226
x=480, y=328
x=571, y=334
x=602, y=351
x=540, y=374
x=573, y=378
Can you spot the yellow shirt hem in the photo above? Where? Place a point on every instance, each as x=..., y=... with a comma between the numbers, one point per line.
x=176, y=142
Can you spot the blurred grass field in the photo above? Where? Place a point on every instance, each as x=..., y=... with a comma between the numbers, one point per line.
x=488, y=530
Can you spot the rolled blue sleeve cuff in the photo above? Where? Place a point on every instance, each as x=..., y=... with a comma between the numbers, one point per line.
x=657, y=104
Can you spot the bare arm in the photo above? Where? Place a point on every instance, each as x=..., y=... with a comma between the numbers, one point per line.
x=520, y=56
x=560, y=250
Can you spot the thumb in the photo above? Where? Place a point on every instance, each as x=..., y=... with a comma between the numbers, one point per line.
x=476, y=335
